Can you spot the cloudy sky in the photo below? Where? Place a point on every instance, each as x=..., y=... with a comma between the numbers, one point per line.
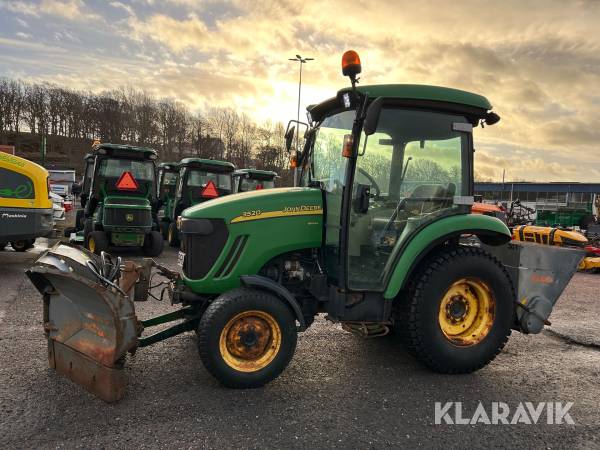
x=537, y=61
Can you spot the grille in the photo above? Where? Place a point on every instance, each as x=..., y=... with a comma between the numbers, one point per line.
x=118, y=217
x=202, y=250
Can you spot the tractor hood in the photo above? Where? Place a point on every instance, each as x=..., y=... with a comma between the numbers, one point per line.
x=260, y=205
x=237, y=235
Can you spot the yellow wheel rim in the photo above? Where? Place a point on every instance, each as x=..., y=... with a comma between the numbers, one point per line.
x=250, y=341
x=92, y=245
x=467, y=312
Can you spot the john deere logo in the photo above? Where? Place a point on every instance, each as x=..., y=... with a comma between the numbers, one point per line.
x=129, y=217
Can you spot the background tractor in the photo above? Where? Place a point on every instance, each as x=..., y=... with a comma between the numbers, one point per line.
x=253, y=179
x=371, y=238
x=118, y=200
x=199, y=180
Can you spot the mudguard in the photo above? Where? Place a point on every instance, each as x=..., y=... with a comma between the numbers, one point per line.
x=90, y=325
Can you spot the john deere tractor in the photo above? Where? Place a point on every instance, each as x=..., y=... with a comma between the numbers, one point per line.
x=253, y=179
x=373, y=238
x=119, y=200
x=199, y=180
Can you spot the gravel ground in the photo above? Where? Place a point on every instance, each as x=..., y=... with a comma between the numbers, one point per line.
x=339, y=390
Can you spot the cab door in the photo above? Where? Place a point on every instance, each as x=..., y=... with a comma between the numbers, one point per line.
x=408, y=175
x=328, y=169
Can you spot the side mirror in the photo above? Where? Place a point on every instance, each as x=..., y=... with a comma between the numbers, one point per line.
x=372, y=116
x=76, y=189
x=289, y=137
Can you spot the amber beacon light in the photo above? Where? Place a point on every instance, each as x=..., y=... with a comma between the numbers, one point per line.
x=350, y=63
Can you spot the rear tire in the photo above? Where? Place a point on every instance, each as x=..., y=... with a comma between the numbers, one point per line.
x=459, y=311
x=97, y=242
x=22, y=244
x=79, y=219
x=164, y=229
x=173, y=235
x=246, y=338
x=153, y=244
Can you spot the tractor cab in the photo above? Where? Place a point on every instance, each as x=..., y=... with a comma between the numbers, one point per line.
x=253, y=179
x=166, y=176
x=199, y=180
x=390, y=160
x=120, y=199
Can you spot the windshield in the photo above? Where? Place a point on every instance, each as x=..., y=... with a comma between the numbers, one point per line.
x=169, y=178
x=199, y=178
x=250, y=184
x=114, y=168
x=326, y=165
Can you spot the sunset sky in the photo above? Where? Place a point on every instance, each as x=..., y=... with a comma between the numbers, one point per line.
x=538, y=62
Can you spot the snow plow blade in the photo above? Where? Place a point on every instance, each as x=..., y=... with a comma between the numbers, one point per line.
x=90, y=325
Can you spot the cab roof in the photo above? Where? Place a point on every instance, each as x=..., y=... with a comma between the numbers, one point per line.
x=437, y=97
x=121, y=148
x=168, y=165
x=264, y=173
x=223, y=165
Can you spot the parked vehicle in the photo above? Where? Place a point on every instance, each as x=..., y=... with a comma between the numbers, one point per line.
x=25, y=205
x=58, y=207
x=61, y=181
x=119, y=201
x=199, y=180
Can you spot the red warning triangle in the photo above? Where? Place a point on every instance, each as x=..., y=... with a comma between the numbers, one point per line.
x=210, y=190
x=127, y=182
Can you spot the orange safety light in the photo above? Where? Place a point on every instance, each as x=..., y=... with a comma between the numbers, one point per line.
x=127, y=182
x=347, y=146
x=293, y=162
x=350, y=63
x=210, y=190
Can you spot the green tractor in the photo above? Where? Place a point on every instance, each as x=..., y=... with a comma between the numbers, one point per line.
x=375, y=238
x=166, y=175
x=253, y=179
x=118, y=200
x=199, y=180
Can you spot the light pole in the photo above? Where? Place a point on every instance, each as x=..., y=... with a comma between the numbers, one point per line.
x=302, y=61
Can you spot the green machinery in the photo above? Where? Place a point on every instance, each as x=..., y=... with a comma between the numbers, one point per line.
x=198, y=180
x=166, y=175
x=373, y=238
x=253, y=179
x=118, y=200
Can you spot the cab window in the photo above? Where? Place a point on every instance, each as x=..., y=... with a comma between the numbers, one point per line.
x=15, y=185
x=199, y=178
x=408, y=174
x=250, y=184
x=114, y=168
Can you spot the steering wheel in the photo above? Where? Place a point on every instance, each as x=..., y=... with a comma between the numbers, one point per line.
x=371, y=180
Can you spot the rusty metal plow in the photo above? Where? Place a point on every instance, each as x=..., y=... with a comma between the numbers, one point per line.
x=90, y=321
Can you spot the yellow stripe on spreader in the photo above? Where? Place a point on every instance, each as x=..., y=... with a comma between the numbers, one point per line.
x=275, y=214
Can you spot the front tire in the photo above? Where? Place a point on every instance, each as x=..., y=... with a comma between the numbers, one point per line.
x=22, y=245
x=246, y=338
x=459, y=311
x=97, y=242
x=173, y=235
x=153, y=244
